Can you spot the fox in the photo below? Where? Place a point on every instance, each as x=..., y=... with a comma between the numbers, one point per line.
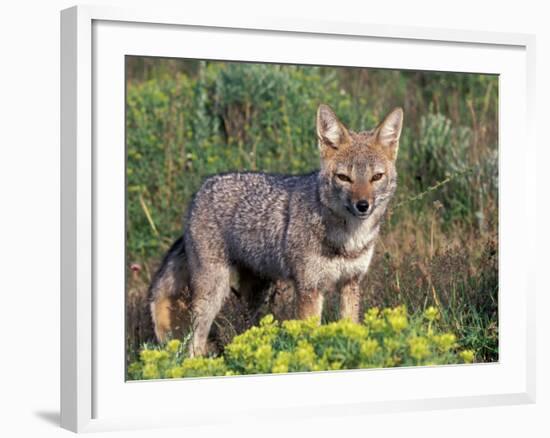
x=316, y=231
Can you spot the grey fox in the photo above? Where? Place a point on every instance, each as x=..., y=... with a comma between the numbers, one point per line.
x=316, y=231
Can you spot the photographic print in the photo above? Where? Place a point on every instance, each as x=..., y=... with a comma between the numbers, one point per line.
x=293, y=218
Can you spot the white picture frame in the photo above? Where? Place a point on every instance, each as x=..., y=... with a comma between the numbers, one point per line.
x=94, y=395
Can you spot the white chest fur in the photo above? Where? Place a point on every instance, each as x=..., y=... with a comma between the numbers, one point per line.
x=353, y=247
x=327, y=272
x=345, y=268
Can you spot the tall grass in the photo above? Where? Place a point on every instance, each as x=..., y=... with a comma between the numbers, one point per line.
x=439, y=245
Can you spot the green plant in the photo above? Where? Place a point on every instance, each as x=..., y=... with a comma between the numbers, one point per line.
x=386, y=338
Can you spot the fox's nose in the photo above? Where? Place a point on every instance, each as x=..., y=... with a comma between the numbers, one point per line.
x=362, y=206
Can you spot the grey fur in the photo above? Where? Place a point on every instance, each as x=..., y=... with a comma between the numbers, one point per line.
x=304, y=229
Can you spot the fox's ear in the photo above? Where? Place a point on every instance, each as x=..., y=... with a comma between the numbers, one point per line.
x=331, y=132
x=389, y=131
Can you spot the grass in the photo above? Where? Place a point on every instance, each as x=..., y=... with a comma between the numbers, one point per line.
x=439, y=244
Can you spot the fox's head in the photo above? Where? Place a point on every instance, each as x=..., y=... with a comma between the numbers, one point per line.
x=357, y=168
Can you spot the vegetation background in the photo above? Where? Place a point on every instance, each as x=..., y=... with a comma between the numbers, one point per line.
x=439, y=246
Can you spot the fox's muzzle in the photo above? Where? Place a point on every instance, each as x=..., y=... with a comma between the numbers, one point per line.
x=360, y=209
x=362, y=206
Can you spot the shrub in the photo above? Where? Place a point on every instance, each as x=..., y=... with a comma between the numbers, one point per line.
x=444, y=153
x=386, y=338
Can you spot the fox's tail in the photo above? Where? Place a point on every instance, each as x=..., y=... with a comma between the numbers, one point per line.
x=169, y=283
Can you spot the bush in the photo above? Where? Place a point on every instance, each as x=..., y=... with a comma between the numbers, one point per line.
x=386, y=338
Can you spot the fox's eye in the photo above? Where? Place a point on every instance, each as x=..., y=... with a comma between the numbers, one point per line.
x=377, y=176
x=343, y=177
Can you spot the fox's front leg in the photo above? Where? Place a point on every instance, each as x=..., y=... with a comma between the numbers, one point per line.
x=350, y=300
x=310, y=303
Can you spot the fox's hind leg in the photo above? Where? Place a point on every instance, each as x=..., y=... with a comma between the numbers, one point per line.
x=169, y=294
x=211, y=286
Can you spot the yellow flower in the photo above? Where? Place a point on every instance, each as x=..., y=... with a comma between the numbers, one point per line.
x=279, y=368
x=431, y=313
x=203, y=366
x=266, y=320
x=262, y=359
x=372, y=313
x=293, y=328
x=173, y=345
x=369, y=348
x=150, y=371
x=445, y=341
x=148, y=355
x=175, y=372
x=349, y=329
x=467, y=356
x=374, y=319
x=419, y=348
x=388, y=337
x=398, y=322
x=305, y=355
x=161, y=355
x=282, y=362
